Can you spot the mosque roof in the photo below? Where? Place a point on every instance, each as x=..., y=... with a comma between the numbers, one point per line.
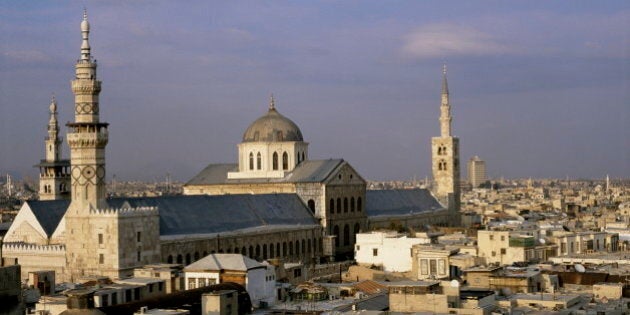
x=48, y=213
x=393, y=202
x=215, y=262
x=309, y=171
x=272, y=127
x=201, y=214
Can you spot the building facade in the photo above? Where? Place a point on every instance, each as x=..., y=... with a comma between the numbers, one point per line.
x=476, y=171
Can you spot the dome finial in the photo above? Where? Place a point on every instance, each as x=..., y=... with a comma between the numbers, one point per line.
x=272, y=103
x=53, y=104
x=444, y=82
x=85, y=33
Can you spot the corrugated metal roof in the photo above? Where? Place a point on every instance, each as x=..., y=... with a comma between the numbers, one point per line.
x=185, y=215
x=310, y=171
x=400, y=202
x=216, y=262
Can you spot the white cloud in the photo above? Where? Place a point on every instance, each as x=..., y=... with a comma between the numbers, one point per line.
x=440, y=40
x=26, y=55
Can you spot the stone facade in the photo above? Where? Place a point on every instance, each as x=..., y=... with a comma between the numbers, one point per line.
x=445, y=159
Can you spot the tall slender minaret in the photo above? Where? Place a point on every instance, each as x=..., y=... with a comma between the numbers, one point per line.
x=445, y=158
x=100, y=240
x=87, y=136
x=54, y=176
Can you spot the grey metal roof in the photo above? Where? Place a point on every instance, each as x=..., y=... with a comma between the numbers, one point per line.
x=400, y=202
x=49, y=213
x=215, y=262
x=272, y=127
x=185, y=215
x=306, y=172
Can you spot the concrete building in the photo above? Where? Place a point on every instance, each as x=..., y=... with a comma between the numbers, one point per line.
x=505, y=247
x=384, y=249
x=259, y=279
x=439, y=262
x=476, y=171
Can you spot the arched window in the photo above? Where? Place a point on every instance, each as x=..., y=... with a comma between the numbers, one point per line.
x=332, y=205
x=244, y=251
x=346, y=235
x=338, y=205
x=251, y=161
x=278, y=249
x=188, y=259
x=180, y=259
x=284, y=249
x=311, y=205
x=297, y=158
x=229, y=250
x=303, y=246
x=285, y=161
x=258, y=161
x=297, y=247
x=257, y=251
x=345, y=204
x=352, y=204
x=336, y=233
x=169, y=259
x=275, y=161
x=303, y=159
x=251, y=251
x=357, y=229
x=359, y=204
x=196, y=256
x=271, y=253
x=309, y=246
x=290, y=248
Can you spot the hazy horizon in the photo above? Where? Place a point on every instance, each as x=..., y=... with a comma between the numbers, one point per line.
x=538, y=89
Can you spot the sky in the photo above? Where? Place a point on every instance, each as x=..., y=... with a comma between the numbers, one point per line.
x=538, y=88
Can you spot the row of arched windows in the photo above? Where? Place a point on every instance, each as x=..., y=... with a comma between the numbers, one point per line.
x=285, y=161
x=260, y=252
x=347, y=237
x=48, y=188
x=353, y=205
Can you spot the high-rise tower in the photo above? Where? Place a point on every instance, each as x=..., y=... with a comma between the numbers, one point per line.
x=100, y=240
x=54, y=176
x=445, y=157
x=476, y=171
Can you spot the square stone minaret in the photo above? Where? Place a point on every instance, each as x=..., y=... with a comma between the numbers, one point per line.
x=445, y=158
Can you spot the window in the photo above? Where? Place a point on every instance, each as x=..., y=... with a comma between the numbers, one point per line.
x=139, y=255
x=285, y=161
x=494, y=253
x=297, y=272
x=332, y=205
x=101, y=258
x=338, y=205
x=442, y=266
x=275, y=161
x=346, y=235
x=297, y=247
x=491, y=237
x=290, y=248
x=169, y=259
x=374, y=252
x=100, y=238
x=352, y=204
x=192, y=283
x=139, y=236
x=161, y=286
x=311, y=205
x=345, y=204
x=251, y=161
x=502, y=238
x=359, y=204
x=432, y=267
x=503, y=251
x=258, y=161
x=424, y=267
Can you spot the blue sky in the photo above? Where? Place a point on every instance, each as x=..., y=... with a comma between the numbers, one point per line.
x=538, y=88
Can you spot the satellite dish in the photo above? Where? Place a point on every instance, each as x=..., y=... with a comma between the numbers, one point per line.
x=579, y=268
x=454, y=283
x=542, y=241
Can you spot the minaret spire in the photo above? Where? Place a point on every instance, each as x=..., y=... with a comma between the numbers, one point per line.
x=272, y=103
x=85, y=33
x=54, y=174
x=52, y=152
x=445, y=108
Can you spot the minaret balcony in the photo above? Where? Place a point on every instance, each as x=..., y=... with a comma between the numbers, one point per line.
x=86, y=85
x=93, y=139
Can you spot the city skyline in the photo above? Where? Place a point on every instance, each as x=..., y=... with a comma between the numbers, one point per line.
x=361, y=81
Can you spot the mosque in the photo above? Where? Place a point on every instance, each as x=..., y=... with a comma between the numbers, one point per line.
x=274, y=202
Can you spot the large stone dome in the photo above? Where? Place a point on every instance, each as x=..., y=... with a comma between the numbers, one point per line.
x=272, y=127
